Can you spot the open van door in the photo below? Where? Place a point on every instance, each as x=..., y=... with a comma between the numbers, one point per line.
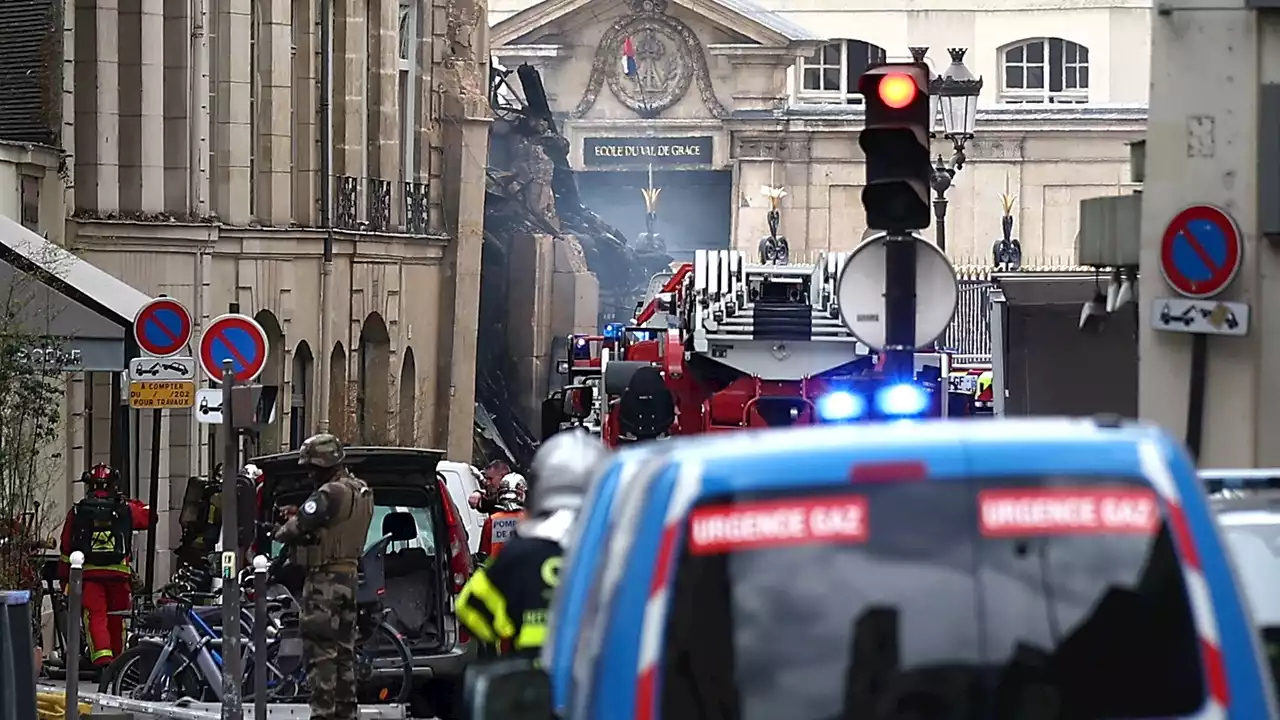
x=418, y=571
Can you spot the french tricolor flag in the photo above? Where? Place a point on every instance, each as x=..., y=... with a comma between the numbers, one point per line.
x=628, y=58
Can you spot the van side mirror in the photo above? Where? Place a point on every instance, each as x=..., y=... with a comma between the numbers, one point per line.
x=509, y=690
x=577, y=401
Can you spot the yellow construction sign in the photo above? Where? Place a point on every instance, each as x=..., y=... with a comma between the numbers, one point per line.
x=162, y=394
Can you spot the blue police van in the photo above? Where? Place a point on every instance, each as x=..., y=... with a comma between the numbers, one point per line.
x=985, y=569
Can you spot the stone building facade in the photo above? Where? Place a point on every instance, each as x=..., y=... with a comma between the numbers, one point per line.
x=727, y=96
x=186, y=157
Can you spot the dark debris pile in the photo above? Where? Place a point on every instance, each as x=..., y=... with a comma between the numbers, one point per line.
x=533, y=190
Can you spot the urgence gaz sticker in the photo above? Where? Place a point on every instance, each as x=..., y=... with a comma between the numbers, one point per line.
x=718, y=529
x=1067, y=511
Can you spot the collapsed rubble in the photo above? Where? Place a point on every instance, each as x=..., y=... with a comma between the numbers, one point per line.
x=531, y=189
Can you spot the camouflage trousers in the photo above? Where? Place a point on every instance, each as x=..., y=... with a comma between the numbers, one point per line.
x=328, y=627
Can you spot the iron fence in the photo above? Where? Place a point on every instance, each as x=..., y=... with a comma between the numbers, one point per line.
x=379, y=204
x=969, y=336
x=415, y=208
x=348, y=202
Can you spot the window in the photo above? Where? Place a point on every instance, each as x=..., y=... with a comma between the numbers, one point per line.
x=1070, y=601
x=29, y=202
x=1045, y=70
x=426, y=539
x=408, y=98
x=302, y=115
x=831, y=73
x=300, y=395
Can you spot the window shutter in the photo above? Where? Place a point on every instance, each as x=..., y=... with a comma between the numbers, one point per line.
x=31, y=71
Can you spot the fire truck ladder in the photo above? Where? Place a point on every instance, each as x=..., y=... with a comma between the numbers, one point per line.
x=748, y=310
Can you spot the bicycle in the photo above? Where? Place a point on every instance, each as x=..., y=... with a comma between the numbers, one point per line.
x=186, y=660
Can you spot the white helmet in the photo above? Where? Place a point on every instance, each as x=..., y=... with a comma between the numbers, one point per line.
x=563, y=470
x=511, y=491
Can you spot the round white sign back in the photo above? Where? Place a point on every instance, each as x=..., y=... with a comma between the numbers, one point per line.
x=861, y=287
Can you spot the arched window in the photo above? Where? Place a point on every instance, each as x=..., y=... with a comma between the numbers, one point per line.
x=408, y=406
x=373, y=380
x=830, y=74
x=270, y=437
x=338, y=393
x=300, y=395
x=1045, y=70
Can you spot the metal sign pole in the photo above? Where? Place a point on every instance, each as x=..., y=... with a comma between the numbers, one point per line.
x=232, y=667
x=900, y=306
x=1196, y=391
x=153, y=502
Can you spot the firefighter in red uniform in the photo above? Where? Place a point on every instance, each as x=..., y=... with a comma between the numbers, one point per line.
x=500, y=526
x=101, y=526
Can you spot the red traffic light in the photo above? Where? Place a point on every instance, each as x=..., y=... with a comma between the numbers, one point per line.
x=897, y=90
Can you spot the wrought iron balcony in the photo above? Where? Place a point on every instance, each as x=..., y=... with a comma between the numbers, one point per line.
x=379, y=204
x=415, y=208
x=347, y=212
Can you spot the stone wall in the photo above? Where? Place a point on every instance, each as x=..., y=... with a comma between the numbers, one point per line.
x=550, y=294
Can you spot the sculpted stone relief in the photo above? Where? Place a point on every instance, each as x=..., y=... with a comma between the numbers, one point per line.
x=788, y=150
x=649, y=60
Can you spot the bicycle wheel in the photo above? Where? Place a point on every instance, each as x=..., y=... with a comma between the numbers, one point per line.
x=282, y=687
x=128, y=673
x=384, y=667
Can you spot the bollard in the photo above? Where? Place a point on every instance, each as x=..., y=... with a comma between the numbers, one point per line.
x=260, y=637
x=17, y=662
x=75, y=612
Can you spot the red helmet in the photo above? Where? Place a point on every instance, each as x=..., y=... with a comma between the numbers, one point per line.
x=101, y=478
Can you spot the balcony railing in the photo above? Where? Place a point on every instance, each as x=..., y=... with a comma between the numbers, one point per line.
x=415, y=208
x=379, y=204
x=347, y=211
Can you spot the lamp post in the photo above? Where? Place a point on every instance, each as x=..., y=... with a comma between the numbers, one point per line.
x=956, y=90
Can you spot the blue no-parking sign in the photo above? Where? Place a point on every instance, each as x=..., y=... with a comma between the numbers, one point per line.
x=237, y=338
x=162, y=327
x=1200, y=251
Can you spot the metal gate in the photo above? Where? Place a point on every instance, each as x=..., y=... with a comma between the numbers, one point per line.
x=969, y=336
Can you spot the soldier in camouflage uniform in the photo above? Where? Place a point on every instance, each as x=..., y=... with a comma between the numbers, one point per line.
x=327, y=535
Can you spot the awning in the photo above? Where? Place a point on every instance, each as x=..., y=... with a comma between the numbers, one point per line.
x=82, y=281
x=85, y=312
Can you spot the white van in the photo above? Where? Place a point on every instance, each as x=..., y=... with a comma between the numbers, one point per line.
x=462, y=480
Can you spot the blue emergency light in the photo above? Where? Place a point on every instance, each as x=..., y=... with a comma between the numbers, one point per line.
x=841, y=405
x=614, y=330
x=901, y=400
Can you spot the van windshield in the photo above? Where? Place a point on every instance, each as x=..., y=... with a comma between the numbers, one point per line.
x=1032, y=598
x=426, y=539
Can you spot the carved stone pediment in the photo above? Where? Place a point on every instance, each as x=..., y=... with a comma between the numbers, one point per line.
x=668, y=60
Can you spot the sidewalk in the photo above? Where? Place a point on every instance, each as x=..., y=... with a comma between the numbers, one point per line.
x=139, y=710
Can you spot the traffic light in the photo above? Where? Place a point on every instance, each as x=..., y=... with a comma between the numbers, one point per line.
x=895, y=141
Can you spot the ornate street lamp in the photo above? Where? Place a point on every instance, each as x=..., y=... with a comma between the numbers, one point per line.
x=956, y=91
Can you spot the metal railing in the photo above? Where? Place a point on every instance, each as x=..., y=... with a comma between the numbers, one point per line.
x=969, y=336
x=379, y=204
x=415, y=208
x=348, y=203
